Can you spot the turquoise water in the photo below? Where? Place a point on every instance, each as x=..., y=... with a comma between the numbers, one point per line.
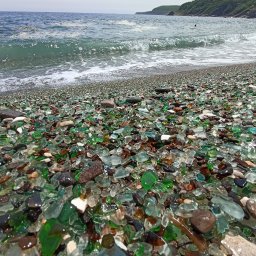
x=58, y=49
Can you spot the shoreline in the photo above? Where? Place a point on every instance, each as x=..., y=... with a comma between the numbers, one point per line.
x=138, y=82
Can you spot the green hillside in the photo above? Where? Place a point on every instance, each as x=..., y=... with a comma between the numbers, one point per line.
x=234, y=8
x=162, y=10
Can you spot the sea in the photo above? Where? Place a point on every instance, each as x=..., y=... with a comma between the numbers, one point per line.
x=42, y=50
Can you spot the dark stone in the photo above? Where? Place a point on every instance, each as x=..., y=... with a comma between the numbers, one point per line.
x=168, y=168
x=138, y=199
x=242, y=163
x=34, y=201
x=4, y=199
x=92, y=172
x=24, y=188
x=5, y=178
x=251, y=207
x=27, y=242
x=133, y=100
x=203, y=221
x=66, y=179
x=2, y=161
x=20, y=147
x=153, y=239
x=108, y=103
x=162, y=90
x=9, y=113
x=225, y=169
x=240, y=182
x=6, y=149
x=108, y=241
x=33, y=214
x=138, y=225
x=4, y=219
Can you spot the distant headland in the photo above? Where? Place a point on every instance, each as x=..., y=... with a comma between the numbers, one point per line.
x=214, y=8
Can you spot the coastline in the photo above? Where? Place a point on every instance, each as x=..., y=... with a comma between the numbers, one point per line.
x=140, y=83
x=156, y=165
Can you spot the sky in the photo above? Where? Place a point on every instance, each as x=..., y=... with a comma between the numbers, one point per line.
x=86, y=6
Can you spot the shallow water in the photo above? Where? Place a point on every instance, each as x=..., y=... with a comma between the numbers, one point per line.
x=59, y=49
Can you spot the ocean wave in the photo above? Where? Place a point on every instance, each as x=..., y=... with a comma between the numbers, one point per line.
x=36, y=53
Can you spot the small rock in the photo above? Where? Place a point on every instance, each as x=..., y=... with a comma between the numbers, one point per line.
x=162, y=90
x=65, y=123
x=192, y=137
x=238, y=246
x=165, y=137
x=27, y=242
x=238, y=174
x=19, y=130
x=93, y=171
x=9, y=113
x=71, y=247
x=108, y=241
x=108, y=103
x=203, y=220
x=34, y=201
x=177, y=109
x=47, y=154
x=244, y=200
x=251, y=207
x=133, y=100
x=250, y=164
x=66, y=179
x=19, y=118
x=80, y=204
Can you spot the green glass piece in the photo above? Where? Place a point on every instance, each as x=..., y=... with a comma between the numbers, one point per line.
x=166, y=107
x=89, y=248
x=50, y=237
x=19, y=222
x=247, y=232
x=140, y=251
x=148, y=180
x=236, y=131
x=184, y=170
x=129, y=232
x=37, y=135
x=210, y=165
x=167, y=184
x=171, y=233
x=212, y=153
x=77, y=190
x=45, y=173
x=3, y=139
x=68, y=214
x=77, y=174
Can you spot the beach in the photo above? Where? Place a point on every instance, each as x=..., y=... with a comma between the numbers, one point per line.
x=156, y=165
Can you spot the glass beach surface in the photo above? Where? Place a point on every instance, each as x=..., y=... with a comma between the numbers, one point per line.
x=160, y=164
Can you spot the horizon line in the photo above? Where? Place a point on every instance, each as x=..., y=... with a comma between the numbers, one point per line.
x=69, y=12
